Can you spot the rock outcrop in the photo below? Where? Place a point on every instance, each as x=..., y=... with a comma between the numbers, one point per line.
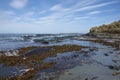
x=110, y=30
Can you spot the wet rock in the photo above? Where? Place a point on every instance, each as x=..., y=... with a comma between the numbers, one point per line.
x=84, y=51
x=94, y=78
x=58, y=58
x=45, y=42
x=115, y=61
x=106, y=54
x=86, y=78
x=111, y=67
x=83, y=61
x=118, y=53
x=41, y=41
x=114, y=67
x=11, y=53
x=117, y=67
x=69, y=73
x=96, y=49
x=75, y=56
x=116, y=73
x=92, y=49
x=46, y=76
x=1, y=53
x=36, y=51
x=87, y=54
x=51, y=78
x=111, y=52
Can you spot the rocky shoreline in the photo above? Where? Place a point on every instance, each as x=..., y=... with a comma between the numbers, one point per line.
x=109, y=41
x=33, y=56
x=29, y=57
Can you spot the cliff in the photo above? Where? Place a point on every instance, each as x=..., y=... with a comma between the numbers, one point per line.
x=109, y=30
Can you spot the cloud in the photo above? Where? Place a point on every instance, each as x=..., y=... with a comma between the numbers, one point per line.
x=69, y=13
x=84, y=3
x=62, y=14
x=78, y=4
x=18, y=4
x=59, y=13
x=56, y=7
x=6, y=16
x=41, y=12
x=88, y=5
x=94, y=12
x=93, y=6
x=80, y=18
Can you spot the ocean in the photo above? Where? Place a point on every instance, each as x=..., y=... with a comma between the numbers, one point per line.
x=15, y=41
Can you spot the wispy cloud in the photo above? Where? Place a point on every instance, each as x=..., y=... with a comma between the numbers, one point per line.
x=6, y=16
x=75, y=6
x=18, y=3
x=88, y=5
x=83, y=3
x=94, y=12
x=80, y=18
x=41, y=12
x=94, y=6
x=63, y=13
x=56, y=7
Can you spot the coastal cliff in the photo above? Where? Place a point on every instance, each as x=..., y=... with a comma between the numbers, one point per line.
x=110, y=30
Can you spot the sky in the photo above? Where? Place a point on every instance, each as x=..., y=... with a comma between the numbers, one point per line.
x=56, y=16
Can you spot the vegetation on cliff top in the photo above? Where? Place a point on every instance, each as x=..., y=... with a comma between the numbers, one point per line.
x=113, y=28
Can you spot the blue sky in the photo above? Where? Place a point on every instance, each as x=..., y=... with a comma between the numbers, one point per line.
x=56, y=16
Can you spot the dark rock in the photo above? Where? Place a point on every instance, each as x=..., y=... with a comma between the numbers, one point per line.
x=119, y=53
x=94, y=78
x=41, y=41
x=115, y=61
x=84, y=52
x=111, y=52
x=76, y=56
x=92, y=49
x=106, y=54
x=111, y=67
x=86, y=78
x=117, y=67
x=116, y=73
x=114, y=67
x=45, y=42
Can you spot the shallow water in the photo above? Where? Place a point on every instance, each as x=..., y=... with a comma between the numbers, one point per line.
x=11, y=71
x=91, y=66
x=7, y=71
